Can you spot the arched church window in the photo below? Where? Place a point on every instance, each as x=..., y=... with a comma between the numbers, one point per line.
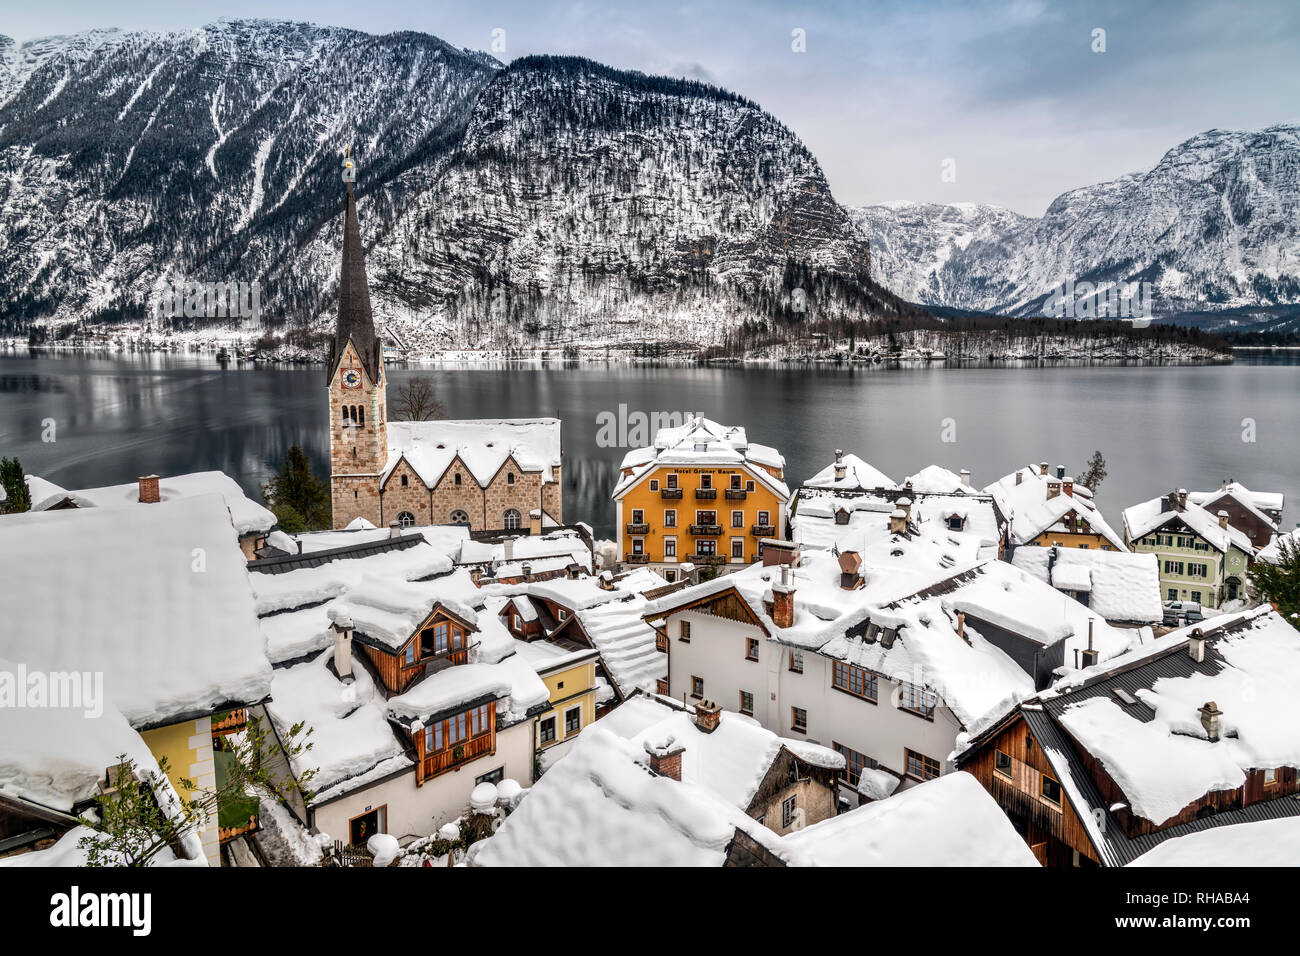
x=404, y=481
x=512, y=519
x=456, y=481
x=406, y=519
x=510, y=478
x=361, y=415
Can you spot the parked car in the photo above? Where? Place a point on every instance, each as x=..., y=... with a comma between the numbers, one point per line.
x=1180, y=613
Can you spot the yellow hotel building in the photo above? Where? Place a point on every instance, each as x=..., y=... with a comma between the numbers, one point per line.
x=702, y=494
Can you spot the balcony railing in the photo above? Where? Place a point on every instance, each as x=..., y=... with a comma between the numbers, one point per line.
x=707, y=558
x=736, y=494
x=637, y=528
x=636, y=558
x=670, y=493
x=706, y=492
x=763, y=531
x=661, y=643
x=706, y=529
x=229, y=722
x=449, y=758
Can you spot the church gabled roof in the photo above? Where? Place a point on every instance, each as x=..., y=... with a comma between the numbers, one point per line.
x=355, y=320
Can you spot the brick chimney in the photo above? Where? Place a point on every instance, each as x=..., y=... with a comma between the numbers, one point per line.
x=783, y=599
x=1042, y=468
x=526, y=570
x=535, y=521
x=666, y=758
x=840, y=468
x=341, y=626
x=850, y=570
x=707, y=715
x=394, y=529
x=1223, y=519
x=1068, y=487
x=1210, y=715
x=148, y=490
x=1053, y=489
x=898, y=521
x=1196, y=645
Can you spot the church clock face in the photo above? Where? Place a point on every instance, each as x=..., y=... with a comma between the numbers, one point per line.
x=352, y=378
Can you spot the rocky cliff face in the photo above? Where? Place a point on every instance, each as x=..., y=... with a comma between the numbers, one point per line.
x=1215, y=224
x=526, y=205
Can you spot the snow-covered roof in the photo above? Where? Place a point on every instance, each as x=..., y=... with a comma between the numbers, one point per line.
x=245, y=514
x=1157, y=750
x=948, y=821
x=937, y=480
x=599, y=805
x=910, y=587
x=157, y=598
x=704, y=443
x=733, y=759
x=483, y=445
x=813, y=524
x=858, y=475
x=389, y=612
x=1146, y=517
x=1272, y=552
x=1260, y=843
x=1257, y=501
x=1022, y=497
x=512, y=682
x=1121, y=586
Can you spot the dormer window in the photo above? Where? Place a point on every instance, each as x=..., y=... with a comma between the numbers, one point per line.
x=701, y=446
x=956, y=522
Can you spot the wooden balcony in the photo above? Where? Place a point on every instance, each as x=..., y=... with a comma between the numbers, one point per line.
x=229, y=722
x=633, y=558
x=226, y=834
x=670, y=493
x=706, y=530
x=707, y=558
x=637, y=528
x=709, y=493
x=661, y=643
x=736, y=494
x=763, y=531
x=449, y=758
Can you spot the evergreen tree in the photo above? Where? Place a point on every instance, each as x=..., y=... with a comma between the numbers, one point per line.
x=1279, y=583
x=299, y=500
x=18, y=497
x=1095, y=473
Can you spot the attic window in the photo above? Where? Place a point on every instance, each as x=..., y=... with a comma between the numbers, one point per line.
x=441, y=445
x=510, y=478
x=701, y=446
x=955, y=522
x=896, y=553
x=457, y=479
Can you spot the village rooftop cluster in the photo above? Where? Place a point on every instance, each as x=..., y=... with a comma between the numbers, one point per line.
x=857, y=670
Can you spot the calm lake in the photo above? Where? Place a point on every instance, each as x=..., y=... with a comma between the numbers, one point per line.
x=116, y=418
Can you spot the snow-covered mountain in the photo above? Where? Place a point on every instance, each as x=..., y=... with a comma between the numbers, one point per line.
x=527, y=205
x=1215, y=224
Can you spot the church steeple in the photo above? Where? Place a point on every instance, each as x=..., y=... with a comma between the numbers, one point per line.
x=355, y=320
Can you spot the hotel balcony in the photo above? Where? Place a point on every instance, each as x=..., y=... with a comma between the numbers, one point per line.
x=707, y=558
x=637, y=528
x=709, y=493
x=706, y=530
x=670, y=493
x=736, y=494
x=633, y=558
x=763, y=531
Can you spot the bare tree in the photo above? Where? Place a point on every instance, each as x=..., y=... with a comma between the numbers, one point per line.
x=416, y=402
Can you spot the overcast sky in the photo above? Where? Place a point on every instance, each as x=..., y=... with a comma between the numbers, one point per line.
x=884, y=92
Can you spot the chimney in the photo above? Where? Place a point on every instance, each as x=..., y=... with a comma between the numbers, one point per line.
x=965, y=477
x=535, y=521
x=1060, y=471
x=572, y=571
x=527, y=570
x=1210, y=715
x=606, y=580
x=1042, y=468
x=148, y=489
x=707, y=715
x=961, y=625
x=898, y=521
x=907, y=485
x=1223, y=485
x=508, y=547
x=905, y=505
x=1182, y=499
x=394, y=529
x=475, y=575
x=783, y=599
x=1020, y=476
x=1223, y=519
x=1068, y=487
x=341, y=625
x=850, y=570
x=840, y=468
x=666, y=758
x=1196, y=646
x=1053, y=489
x=1091, y=655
